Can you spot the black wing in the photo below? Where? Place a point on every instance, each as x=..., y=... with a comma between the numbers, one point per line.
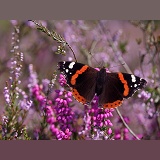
x=119, y=86
x=81, y=78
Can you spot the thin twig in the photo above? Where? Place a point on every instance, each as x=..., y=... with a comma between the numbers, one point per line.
x=118, y=112
x=121, y=60
x=72, y=51
x=54, y=36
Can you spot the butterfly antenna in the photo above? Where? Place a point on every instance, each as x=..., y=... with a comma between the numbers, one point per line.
x=99, y=64
x=117, y=65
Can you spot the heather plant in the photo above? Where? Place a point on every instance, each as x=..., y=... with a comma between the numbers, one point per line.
x=17, y=101
x=37, y=102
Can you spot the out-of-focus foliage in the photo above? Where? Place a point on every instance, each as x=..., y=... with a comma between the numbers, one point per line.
x=35, y=104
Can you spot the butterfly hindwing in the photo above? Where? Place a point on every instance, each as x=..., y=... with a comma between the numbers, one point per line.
x=112, y=94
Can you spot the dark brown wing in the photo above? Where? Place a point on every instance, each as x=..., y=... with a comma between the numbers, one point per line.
x=81, y=78
x=119, y=86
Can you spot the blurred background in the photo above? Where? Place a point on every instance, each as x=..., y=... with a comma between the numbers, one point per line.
x=97, y=43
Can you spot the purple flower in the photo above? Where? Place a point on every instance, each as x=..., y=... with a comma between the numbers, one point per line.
x=6, y=95
x=60, y=116
x=59, y=134
x=116, y=36
x=144, y=95
x=37, y=93
x=24, y=104
x=96, y=120
x=14, y=22
x=122, y=134
x=64, y=112
x=109, y=131
x=62, y=80
x=45, y=84
x=126, y=119
x=16, y=62
x=33, y=81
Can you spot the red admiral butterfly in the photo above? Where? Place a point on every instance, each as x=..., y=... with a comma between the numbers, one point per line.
x=86, y=82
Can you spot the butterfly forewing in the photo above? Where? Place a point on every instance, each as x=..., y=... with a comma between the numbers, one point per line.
x=69, y=69
x=133, y=83
x=81, y=78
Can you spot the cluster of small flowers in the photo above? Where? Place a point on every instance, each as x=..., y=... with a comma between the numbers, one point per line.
x=4, y=124
x=33, y=80
x=99, y=117
x=116, y=36
x=96, y=122
x=6, y=95
x=25, y=104
x=16, y=61
x=16, y=67
x=101, y=135
x=58, y=116
x=122, y=133
x=63, y=111
x=35, y=89
x=5, y=130
x=60, y=135
x=150, y=106
x=62, y=80
x=39, y=96
x=52, y=121
x=151, y=110
x=144, y=95
x=49, y=84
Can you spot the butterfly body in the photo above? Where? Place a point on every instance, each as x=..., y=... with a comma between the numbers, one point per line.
x=111, y=88
x=100, y=80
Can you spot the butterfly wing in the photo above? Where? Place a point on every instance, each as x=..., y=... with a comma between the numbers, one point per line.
x=131, y=83
x=118, y=86
x=81, y=78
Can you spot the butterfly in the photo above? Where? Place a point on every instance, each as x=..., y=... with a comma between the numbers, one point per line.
x=111, y=88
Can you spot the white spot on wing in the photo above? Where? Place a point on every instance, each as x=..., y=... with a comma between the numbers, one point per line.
x=135, y=85
x=133, y=78
x=67, y=70
x=71, y=65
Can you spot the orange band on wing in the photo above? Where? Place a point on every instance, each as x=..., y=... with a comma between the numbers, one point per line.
x=78, y=97
x=113, y=105
x=126, y=89
x=74, y=77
